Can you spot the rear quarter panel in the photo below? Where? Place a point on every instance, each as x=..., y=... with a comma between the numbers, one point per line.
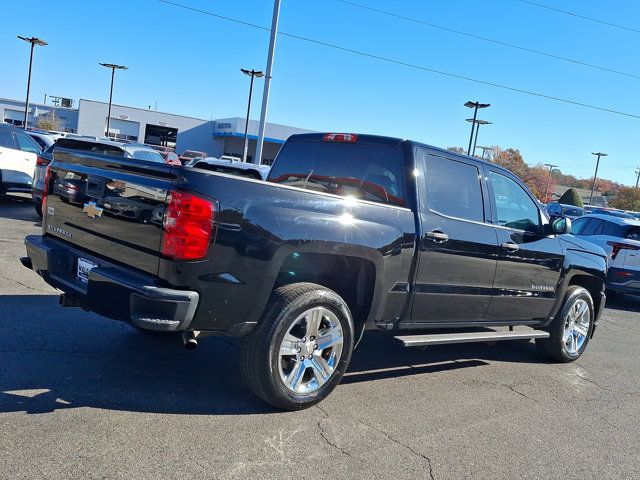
x=261, y=224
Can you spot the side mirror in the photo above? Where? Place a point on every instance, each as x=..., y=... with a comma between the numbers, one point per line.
x=560, y=225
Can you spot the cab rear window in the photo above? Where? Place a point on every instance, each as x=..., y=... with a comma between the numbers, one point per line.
x=357, y=170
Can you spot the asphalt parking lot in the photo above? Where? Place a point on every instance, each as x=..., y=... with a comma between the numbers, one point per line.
x=85, y=397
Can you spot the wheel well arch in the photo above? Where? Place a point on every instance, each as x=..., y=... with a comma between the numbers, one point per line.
x=353, y=278
x=592, y=284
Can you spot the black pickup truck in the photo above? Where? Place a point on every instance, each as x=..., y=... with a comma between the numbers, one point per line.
x=348, y=233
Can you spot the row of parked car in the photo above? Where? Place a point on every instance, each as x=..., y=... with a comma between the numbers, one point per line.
x=25, y=155
x=617, y=232
x=571, y=211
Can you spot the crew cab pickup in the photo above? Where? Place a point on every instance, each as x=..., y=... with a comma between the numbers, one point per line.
x=348, y=233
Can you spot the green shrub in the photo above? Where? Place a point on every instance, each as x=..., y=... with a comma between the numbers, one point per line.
x=571, y=197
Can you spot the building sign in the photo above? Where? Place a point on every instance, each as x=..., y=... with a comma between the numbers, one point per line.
x=123, y=117
x=223, y=125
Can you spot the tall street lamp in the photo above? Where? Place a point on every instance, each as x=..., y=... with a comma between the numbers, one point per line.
x=252, y=73
x=484, y=151
x=475, y=122
x=475, y=105
x=546, y=191
x=33, y=41
x=113, y=68
x=595, y=177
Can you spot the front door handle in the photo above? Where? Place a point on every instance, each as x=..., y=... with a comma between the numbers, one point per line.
x=437, y=236
x=512, y=247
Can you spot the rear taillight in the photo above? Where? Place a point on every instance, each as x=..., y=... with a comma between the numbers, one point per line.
x=340, y=137
x=187, y=226
x=42, y=162
x=617, y=246
x=45, y=188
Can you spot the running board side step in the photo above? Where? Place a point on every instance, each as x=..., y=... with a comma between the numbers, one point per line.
x=446, y=338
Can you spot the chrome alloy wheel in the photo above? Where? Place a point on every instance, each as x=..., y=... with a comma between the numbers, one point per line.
x=576, y=327
x=310, y=350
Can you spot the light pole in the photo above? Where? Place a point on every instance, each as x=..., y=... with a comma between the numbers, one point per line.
x=637, y=172
x=546, y=191
x=475, y=105
x=267, y=81
x=252, y=73
x=113, y=68
x=477, y=122
x=484, y=151
x=33, y=41
x=595, y=177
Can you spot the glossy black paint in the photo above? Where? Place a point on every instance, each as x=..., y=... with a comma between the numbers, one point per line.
x=379, y=257
x=98, y=179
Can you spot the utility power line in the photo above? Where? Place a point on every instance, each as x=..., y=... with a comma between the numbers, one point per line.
x=491, y=40
x=591, y=19
x=411, y=65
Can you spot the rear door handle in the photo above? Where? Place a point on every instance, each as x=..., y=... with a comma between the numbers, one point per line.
x=512, y=247
x=437, y=236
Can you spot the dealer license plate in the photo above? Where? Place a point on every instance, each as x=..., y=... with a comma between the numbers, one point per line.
x=84, y=267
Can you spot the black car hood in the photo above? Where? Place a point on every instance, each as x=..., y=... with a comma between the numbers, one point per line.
x=575, y=243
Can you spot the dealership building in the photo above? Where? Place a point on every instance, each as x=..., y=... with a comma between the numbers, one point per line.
x=216, y=137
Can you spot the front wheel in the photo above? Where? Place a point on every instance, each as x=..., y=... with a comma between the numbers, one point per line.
x=572, y=327
x=301, y=348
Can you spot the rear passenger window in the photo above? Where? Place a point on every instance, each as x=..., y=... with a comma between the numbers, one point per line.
x=613, y=230
x=578, y=225
x=453, y=188
x=594, y=227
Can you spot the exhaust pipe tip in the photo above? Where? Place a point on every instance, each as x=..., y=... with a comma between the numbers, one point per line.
x=26, y=261
x=189, y=340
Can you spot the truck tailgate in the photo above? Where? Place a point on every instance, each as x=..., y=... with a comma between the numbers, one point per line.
x=111, y=207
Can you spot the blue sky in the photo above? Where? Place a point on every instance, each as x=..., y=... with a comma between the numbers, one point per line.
x=189, y=64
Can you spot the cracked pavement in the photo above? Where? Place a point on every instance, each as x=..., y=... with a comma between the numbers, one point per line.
x=86, y=397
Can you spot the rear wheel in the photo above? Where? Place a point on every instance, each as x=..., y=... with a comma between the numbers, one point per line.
x=571, y=330
x=301, y=348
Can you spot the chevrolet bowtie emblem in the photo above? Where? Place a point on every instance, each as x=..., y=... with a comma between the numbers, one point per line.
x=92, y=210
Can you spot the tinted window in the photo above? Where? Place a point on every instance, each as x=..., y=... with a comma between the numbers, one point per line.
x=578, y=224
x=6, y=139
x=613, y=230
x=102, y=148
x=594, y=227
x=453, y=188
x=40, y=142
x=369, y=172
x=26, y=143
x=514, y=207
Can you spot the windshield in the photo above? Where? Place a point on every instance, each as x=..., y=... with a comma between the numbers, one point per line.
x=362, y=171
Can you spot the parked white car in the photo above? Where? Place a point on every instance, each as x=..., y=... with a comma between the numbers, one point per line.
x=620, y=238
x=18, y=155
x=44, y=139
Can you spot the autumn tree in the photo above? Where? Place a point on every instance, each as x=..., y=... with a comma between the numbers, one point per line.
x=628, y=198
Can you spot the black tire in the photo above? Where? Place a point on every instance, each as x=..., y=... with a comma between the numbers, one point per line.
x=260, y=354
x=555, y=347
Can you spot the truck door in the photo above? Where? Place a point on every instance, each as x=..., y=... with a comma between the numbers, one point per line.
x=530, y=262
x=458, y=249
